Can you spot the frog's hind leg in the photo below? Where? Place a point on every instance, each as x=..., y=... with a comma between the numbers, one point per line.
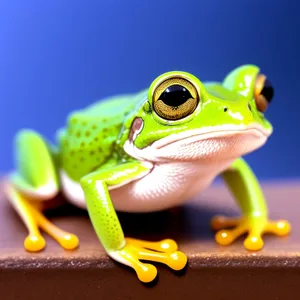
x=35, y=181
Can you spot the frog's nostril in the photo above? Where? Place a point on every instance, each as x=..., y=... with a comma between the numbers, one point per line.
x=249, y=106
x=225, y=109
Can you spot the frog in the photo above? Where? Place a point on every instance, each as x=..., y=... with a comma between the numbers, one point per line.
x=150, y=151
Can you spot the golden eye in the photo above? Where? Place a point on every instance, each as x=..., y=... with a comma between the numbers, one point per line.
x=175, y=99
x=263, y=92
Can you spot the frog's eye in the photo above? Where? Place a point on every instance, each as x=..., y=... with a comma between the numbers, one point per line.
x=263, y=92
x=175, y=99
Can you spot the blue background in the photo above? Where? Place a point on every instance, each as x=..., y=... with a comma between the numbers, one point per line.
x=56, y=56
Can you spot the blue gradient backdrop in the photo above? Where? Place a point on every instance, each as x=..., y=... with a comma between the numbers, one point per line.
x=56, y=56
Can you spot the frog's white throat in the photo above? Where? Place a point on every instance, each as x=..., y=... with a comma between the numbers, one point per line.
x=208, y=144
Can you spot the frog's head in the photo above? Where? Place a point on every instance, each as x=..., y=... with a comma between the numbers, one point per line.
x=185, y=119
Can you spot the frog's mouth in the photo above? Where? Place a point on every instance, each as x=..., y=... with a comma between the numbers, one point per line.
x=212, y=132
x=217, y=142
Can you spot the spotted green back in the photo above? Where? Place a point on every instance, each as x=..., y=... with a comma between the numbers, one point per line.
x=89, y=139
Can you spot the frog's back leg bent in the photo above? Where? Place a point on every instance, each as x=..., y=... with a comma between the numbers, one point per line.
x=35, y=180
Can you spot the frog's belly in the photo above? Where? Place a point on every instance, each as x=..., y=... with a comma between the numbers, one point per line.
x=167, y=185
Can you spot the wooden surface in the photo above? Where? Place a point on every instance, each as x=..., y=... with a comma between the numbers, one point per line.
x=213, y=271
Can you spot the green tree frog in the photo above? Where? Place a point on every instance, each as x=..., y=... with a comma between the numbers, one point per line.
x=150, y=151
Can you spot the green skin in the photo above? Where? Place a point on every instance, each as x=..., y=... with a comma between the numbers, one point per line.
x=91, y=148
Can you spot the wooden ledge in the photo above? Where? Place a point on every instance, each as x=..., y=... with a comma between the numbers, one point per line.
x=213, y=271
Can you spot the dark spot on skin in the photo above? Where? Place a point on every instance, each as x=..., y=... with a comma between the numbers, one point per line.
x=94, y=127
x=96, y=139
x=87, y=133
x=100, y=149
x=92, y=152
x=72, y=153
x=225, y=109
x=82, y=144
x=74, y=121
x=78, y=134
x=104, y=120
x=104, y=129
x=81, y=159
x=83, y=123
x=136, y=127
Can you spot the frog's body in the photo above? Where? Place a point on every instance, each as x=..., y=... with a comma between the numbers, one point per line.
x=92, y=140
x=150, y=151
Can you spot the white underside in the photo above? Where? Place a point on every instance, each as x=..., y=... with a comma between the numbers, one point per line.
x=180, y=169
x=165, y=186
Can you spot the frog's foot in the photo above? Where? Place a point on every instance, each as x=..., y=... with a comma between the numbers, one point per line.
x=67, y=240
x=164, y=251
x=33, y=219
x=255, y=226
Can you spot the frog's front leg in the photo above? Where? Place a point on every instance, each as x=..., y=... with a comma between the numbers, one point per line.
x=247, y=191
x=108, y=229
x=34, y=181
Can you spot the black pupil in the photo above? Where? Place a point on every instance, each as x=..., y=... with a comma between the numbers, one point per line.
x=268, y=90
x=175, y=95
